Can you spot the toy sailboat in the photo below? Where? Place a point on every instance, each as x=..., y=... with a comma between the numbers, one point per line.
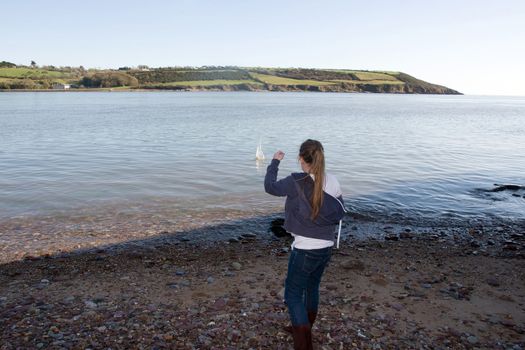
x=259, y=155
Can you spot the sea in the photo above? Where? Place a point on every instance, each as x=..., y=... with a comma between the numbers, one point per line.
x=420, y=158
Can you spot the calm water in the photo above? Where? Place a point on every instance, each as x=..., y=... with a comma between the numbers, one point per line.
x=396, y=156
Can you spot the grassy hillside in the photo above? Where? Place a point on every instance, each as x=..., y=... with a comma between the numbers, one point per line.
x=220, y=78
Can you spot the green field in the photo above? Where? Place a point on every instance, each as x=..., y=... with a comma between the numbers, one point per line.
x=29, y=73
x=274, y=80
x=207, y=83
x=374, y=76
x=372, y=82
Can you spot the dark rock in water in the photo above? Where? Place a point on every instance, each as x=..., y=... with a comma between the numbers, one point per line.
x=516, y=195
x=500, y=188
x=276, y=226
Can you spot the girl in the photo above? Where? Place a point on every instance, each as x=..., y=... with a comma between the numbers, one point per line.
x=314, y=205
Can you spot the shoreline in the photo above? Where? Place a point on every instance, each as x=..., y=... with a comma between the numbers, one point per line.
x=226, y=89
x=113, y=226
x=400, y=289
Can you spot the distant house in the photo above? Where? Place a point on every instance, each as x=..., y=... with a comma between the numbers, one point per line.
x=60, y=86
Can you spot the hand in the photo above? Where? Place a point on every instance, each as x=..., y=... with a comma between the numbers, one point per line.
x=279, y=155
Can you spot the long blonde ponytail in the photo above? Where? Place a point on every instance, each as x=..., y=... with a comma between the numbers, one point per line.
x=312, y=153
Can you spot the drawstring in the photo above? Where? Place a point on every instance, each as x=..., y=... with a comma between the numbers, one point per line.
x=339, y=232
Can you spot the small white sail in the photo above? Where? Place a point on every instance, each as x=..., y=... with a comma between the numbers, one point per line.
x=259, y=155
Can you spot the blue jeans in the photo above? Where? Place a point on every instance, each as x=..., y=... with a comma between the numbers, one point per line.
x=301, y=294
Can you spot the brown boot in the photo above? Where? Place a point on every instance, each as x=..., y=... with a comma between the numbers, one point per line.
x=302, y=337
x=312, y=315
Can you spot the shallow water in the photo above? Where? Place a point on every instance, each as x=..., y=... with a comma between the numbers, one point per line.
x=396, y=156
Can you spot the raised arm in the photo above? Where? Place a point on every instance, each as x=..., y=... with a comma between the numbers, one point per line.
x=279, y=188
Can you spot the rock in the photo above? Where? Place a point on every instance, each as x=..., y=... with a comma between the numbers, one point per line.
x=90, y=304
x=219, y=304
x=205, y=340
x=281, y=293
x=397, y=306
x=237, y=266
x=185, y=283
x=353, y=265
x=180, y=272
x=234, y=335
x=391, y=237
x=493, y=282
x=507, y=323
x=118, y=314
x=210, y=279
x=406, y=235
x=475, y=244
x=44, y=281
x=472, y=340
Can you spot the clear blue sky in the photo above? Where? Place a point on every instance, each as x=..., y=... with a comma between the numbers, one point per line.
x=476, y=47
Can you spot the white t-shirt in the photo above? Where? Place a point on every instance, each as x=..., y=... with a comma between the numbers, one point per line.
x=332, y=187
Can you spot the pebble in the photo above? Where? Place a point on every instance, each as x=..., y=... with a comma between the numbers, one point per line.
x=237, y=266
x=472, y=339
x=406, y=235
x=90, y=304
x=210, y=279
x=249, y=235
x=185, y=283
x=180, y=272
x=118, y=314
x=392, y=237
x=493, y=282
x=397, y=306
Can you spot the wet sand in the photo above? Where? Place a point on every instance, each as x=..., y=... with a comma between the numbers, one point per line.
x=400, y=289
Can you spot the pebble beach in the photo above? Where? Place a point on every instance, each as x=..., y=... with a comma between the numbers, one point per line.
x=402, y=288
